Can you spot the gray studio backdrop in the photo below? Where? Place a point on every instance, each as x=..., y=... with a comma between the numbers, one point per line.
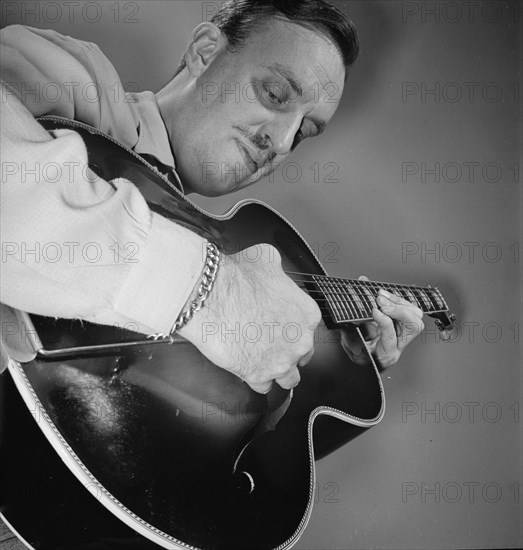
x=416, y=180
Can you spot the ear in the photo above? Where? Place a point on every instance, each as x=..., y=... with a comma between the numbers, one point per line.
x=206, y=43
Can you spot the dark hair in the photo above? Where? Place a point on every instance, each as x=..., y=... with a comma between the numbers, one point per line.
x=237, y=18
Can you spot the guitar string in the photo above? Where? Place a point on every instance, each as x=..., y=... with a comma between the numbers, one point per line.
x=427, y=298
x=347, y=298
x=367, y=314
x=362, y=306
x=427, y=295
x=359, y=281
x=375, y=287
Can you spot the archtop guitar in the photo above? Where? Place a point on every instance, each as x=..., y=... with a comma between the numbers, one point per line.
x=112, y=440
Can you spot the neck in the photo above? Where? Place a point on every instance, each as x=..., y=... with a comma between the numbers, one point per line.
x=173, y=101
x=352, y=300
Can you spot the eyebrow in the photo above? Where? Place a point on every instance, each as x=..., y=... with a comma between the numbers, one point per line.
x=287, y=74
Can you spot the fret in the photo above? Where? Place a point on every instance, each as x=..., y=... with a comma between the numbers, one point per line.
x=331, y=298
x=426, y=299
x=407, y=294
x=370, y=296
x=437, y=299
x=418, y=296
x=361, y=290
x=404, y=293
x=353, y=297
x=424, y=303
x=375, y=288
x=401, y=292
x=347, y=302
x=353, y=300
x=389, y=288
x=346, y=306
x=411, y=297
x=356, y=301
x=429, y=296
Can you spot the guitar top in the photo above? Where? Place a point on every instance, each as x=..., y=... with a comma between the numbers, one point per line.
x=126, y=443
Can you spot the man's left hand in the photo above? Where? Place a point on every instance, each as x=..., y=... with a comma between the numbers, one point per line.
x=396, y=323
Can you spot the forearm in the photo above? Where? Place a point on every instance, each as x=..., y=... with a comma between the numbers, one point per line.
x=76, y=246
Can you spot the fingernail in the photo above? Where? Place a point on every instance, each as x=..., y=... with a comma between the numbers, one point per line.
x=385, y=293
x=387, y=309
x=382, y=301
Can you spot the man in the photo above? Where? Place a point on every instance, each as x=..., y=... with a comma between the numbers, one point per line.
x=290, y=56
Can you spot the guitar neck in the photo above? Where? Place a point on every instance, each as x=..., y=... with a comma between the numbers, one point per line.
x=352, y=300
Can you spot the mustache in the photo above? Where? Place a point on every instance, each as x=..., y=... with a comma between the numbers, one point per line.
x=258, y=141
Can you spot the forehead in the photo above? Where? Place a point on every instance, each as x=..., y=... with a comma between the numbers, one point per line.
x=310, y=56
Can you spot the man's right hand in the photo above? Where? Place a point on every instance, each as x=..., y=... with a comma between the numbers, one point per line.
x=256, y=322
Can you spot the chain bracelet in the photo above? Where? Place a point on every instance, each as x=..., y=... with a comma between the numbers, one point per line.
x=212, y=263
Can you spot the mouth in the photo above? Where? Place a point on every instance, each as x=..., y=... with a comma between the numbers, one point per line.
x=251, y=161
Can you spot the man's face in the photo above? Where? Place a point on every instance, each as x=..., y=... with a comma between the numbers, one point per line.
x=253, y=107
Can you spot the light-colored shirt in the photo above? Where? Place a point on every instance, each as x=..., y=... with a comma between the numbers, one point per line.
x=74, y=245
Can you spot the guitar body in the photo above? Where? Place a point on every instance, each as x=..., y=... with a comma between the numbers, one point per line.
x=155, y=445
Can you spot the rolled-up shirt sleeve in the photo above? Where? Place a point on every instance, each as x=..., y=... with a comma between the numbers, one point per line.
x=76, y=246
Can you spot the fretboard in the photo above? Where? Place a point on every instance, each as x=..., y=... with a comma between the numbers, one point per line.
x=352, y=300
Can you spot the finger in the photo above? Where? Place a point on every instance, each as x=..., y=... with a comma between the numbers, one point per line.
x=352, y=344
x=400, y=312
x=388, y=336
x=260, y=387
x=290, y=380
x=408, y=322
x=370, y=330
x=363, y=278
x=408, y=331
x=398, y=300
x=306, y=358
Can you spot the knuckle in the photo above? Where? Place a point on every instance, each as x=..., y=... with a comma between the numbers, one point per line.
x=282, y=369
x=290, y=381
x=306, y=343
x=315, y=312
x=387, y=322
x=389, y=360
x=397, y=299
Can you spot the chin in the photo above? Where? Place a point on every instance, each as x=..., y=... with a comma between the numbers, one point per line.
x=216, y=186
x=215, y=189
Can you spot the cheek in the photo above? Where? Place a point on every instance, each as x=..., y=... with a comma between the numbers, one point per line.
x=219, y=108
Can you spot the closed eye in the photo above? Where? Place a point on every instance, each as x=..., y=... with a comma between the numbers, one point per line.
x=274, y=95
x=275, y=99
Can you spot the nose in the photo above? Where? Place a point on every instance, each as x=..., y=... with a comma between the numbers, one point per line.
x=281, y=131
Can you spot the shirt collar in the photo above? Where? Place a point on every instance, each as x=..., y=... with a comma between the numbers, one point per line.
x=153, y=138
